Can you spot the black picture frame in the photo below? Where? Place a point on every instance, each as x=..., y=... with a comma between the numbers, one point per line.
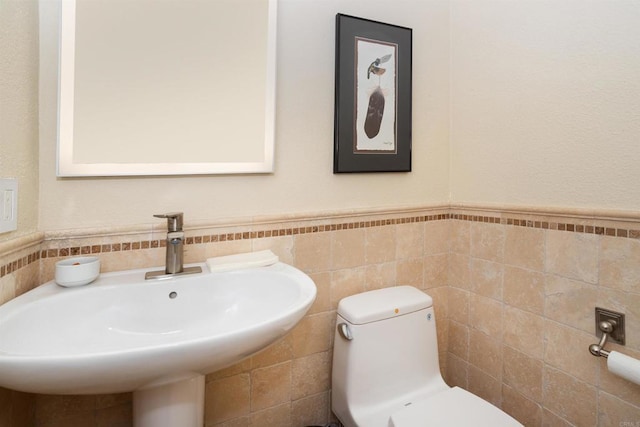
x=373, y=136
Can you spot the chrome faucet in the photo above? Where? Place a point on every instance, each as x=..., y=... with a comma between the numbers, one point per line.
x=174, y=265
x=175, y=242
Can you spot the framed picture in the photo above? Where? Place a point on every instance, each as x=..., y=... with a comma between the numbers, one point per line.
x=372, y=128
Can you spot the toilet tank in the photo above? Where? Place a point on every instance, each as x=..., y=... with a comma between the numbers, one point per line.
x=391, y=359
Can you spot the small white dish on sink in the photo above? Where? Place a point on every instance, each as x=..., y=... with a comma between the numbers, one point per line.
x=77, y=271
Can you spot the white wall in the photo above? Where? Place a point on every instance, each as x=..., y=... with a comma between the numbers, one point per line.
x=543, y=111
x=545, y=102
x=303, y=180
x=19, y=107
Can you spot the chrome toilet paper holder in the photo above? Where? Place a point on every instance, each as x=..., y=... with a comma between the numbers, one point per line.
x=610, y=327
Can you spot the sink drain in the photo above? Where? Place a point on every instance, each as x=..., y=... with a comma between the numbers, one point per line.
x=173, y=295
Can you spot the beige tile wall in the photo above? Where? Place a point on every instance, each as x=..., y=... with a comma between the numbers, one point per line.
x=514, y=301
x=289, y=383
x=521, y=317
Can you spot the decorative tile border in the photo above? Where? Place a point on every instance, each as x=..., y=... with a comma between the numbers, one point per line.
x=97, y=249
x=209, y=238
x=550, y=225
x=246, y=235
x=569, y=226
x=16, y=265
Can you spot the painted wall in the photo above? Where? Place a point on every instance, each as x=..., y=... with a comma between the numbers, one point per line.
x=303, y=181
x=544, y=103
x=19, y=108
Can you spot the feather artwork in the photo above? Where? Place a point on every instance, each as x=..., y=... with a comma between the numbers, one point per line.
x=374, y=69
x=375, y=110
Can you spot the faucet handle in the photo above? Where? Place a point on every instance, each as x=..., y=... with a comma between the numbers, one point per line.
x=174, y=220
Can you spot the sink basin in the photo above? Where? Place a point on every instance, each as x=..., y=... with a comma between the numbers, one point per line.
x=122, y=333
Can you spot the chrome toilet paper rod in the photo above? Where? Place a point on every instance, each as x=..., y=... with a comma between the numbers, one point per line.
x=611, y=325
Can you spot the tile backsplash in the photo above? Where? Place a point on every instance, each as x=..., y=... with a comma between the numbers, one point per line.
x=521, y=317
x=514, y=293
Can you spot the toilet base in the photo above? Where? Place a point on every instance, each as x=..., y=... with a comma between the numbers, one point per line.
x=454, y=407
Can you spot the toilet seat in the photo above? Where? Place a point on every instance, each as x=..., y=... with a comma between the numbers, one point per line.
x=453, y=407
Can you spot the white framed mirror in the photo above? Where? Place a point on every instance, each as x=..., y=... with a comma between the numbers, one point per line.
x=166, y=87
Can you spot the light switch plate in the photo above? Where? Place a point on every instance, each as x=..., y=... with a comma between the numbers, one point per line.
x=8, y=204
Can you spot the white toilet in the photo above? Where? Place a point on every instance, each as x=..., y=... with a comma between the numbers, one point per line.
x=386, y=371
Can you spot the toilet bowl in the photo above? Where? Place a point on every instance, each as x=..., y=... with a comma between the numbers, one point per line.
x=386, y=371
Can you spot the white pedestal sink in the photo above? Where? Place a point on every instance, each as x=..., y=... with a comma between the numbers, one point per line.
x=156, y=338
x=178, y=403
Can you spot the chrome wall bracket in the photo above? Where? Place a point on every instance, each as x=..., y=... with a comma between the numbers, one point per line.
x=609, y=326
x=616, y=319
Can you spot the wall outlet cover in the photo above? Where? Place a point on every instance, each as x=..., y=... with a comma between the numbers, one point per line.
x=8, y=204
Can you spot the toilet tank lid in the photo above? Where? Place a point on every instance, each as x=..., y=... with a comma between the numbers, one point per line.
x=383, y=304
